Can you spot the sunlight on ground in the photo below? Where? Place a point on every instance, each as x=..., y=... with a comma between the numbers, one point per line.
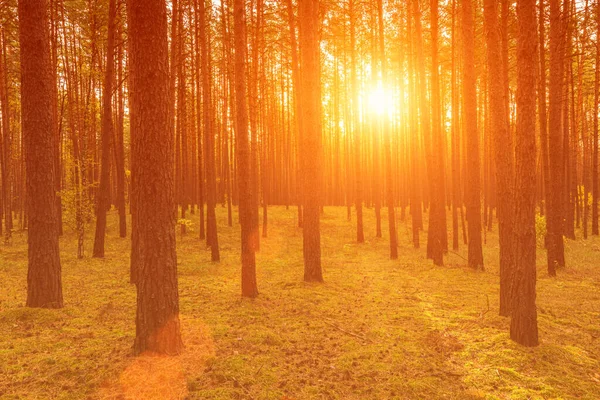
x=150, y=376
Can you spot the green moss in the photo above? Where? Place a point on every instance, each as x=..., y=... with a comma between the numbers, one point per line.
x=376, y=329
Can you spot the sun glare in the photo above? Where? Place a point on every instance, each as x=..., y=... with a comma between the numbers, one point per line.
x=381, y=101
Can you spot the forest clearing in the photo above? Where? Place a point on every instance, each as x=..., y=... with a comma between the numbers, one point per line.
x=377, y=328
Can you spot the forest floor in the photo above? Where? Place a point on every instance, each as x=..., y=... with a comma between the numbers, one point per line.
x=376, y=329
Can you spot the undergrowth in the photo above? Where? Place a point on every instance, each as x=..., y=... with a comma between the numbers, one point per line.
x=376, y=329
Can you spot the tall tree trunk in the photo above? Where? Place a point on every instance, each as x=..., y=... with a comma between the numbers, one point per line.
x=119, y=147
x=595, y=134
x=157, y=318
x=311, y=147
x=543, y=109
x=556, y=255
x=103, y=203
x=473, y=193
x=456, y=201
x=356, y=128
x=437, y=216
x=5, y=142
x=199, y=112
x=523, y=324
x=297, y=111
x=249, y=288
x=212, y=238
x=44, y=286
x=388, y=146
x=503, y=153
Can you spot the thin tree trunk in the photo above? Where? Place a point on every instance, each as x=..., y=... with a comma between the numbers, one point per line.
x=103, y=203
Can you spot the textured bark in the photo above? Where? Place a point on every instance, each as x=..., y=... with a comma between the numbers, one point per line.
x=473, y=191
x=44, y=287
x=249, y=288
x=103, y=202
x=311, y=146
x=503, y=153
x=157, y=318
x=523, y=324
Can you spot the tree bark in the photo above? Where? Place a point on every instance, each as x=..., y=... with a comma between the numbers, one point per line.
x=473, y=192
x=523, y=324
x=311, y=146
x=556, y=255
x=503, y=153
x=103, y=203
x=249, y=287
x=44, y=286
x=157, y=318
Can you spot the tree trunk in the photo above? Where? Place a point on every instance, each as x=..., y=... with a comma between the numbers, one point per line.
x=157, y=319
x=595, y=134
x=503, y=153
x=212, y=238
x=473, y=193
x=556, y=255
x=523, y=324
x=311, y=147
x=249, y=288
x=103, y=203
x=44, y=287
x=437, y=237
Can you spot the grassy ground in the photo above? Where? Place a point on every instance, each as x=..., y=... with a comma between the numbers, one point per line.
x=376, y=329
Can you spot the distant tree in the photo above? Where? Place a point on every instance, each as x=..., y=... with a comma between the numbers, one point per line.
x=296, y=83
x=555, y=244
x=5, y=143
x=387, y=145
x=357, y=133
x=249, y=288
x=595, y=133
x=437, y=241
x=157, y=318
x=311, y=147
x=103, y=201
x=119, y=145
x=523, y=326
x=212, y=238
x=44, y=287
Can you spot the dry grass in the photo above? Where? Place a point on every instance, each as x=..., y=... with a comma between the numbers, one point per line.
x=376, y=329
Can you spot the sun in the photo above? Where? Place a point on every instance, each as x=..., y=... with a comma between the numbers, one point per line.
x=381, y=100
